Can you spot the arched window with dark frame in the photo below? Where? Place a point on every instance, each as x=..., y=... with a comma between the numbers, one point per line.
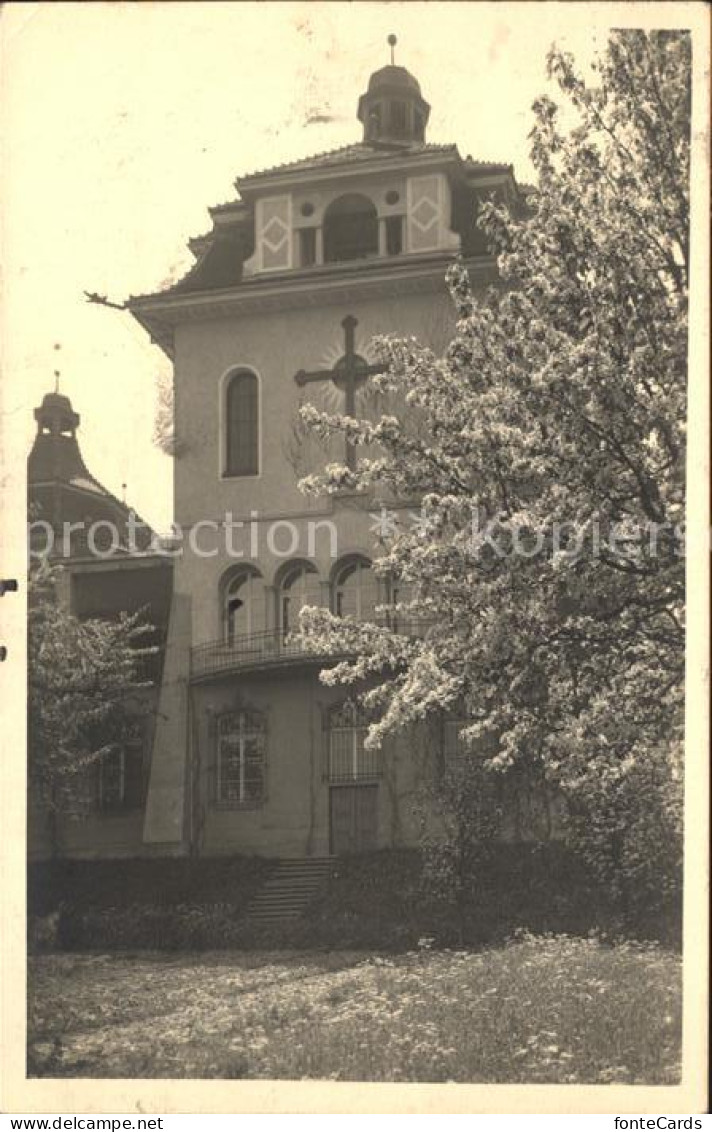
x=243, y=605
x=299, y=587
x=354, y=589
x=242, y=424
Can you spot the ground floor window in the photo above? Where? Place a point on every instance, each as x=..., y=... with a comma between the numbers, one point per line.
x=240, y=761
x=121, y=779
x=347, y=757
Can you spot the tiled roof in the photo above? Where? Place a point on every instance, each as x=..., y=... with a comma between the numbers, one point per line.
x=57, y=460
x=350, y=155
x=494, y=166
x=88, y=484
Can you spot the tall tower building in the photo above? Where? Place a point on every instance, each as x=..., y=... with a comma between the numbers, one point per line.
x=297, y=274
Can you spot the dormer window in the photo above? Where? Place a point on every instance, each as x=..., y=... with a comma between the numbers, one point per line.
x=350, y=229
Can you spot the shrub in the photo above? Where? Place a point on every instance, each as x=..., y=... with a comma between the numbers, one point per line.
x=374, y=901
x=177, y=927
x=166, y=904
x=626, y=823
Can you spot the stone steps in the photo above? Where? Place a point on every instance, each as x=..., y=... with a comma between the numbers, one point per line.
x=289, y=890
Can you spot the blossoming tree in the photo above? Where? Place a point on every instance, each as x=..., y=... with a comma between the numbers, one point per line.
x=85, y=689
x=547, y=448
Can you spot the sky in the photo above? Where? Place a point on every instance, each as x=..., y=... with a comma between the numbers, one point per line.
x=122, y=124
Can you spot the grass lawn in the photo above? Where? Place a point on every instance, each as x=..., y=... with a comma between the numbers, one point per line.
x=549, y=1009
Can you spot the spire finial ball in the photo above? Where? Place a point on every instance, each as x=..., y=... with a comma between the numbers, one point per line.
x=392, y=39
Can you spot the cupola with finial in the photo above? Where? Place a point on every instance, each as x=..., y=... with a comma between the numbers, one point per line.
x=392, y=110
x=55, y=454
x=56, y=416
x=63, y=491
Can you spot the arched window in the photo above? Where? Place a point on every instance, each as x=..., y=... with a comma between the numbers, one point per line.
x=299, y=587
x=399, y=593
x=242, y=424
x=240, y=759
x=243, y=605
x=355, y=590
x=350, y=229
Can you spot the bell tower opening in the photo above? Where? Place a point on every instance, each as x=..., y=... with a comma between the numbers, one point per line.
x=350, y=229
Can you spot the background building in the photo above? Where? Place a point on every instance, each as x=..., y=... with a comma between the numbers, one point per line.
x=108, y=564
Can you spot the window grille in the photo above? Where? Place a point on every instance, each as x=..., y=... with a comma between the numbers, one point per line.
x=240, y=764
x=348, y=760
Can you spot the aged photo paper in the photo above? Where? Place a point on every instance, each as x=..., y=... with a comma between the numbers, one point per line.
x=214, y=219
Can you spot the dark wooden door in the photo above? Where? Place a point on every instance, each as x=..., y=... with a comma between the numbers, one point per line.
x=354, y=818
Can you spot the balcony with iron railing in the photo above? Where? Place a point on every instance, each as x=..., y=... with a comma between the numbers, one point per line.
x=271, y=648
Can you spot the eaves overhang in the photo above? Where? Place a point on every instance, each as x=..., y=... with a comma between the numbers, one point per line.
x=338, y=283
x=121, y=560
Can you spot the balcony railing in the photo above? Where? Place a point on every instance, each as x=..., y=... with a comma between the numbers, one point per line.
x=252, y=650
x=266, y=649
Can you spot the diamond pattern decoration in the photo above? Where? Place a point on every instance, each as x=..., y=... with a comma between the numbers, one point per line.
x=425, y=214
x=274, y=234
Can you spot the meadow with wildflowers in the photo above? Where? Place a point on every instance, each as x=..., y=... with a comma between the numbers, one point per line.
x=545, y=1009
